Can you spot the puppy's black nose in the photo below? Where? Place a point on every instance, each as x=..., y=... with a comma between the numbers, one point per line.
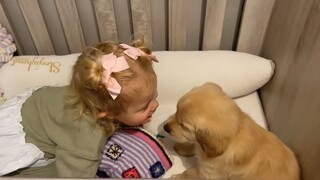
x=166, y=128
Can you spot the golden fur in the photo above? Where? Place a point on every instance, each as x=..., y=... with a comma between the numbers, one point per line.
x=228, y=144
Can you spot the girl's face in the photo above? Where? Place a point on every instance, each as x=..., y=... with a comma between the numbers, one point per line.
x=140, y=111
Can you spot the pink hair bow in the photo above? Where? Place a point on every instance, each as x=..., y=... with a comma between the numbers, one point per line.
x=134, y=52
x=110, y=64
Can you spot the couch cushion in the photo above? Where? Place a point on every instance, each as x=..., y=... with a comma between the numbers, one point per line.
x=178, y=71
x=237, y=73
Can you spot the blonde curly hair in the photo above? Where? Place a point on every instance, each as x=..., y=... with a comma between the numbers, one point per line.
x=87, y=95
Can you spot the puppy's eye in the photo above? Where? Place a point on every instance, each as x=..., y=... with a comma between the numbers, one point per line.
x=183, y=126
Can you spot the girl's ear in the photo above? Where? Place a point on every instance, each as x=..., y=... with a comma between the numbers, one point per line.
x=102, y=114
x=105, y=115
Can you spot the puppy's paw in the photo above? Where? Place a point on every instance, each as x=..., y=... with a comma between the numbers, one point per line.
x=184, y=149
x=188, y=174
x=176, y=176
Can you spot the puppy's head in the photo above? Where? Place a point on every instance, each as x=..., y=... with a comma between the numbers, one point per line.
x=207, y=116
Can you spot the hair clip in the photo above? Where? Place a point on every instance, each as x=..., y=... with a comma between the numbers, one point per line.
x=110, y=64
x=134, y=52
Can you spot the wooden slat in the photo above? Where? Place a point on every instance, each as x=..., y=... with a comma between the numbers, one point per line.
x=159, y=25
x=141, y=19
x=106, y=20
x=178, y=24
x=5, y=23
x=37, y=27
x=71, y=24
x=215, y=11
x=254, y=24
x=124, y=20
x=195, y=19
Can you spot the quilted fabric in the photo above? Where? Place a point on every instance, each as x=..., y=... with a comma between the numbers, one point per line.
x=134, y=153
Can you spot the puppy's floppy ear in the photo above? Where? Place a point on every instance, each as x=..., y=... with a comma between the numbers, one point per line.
x=212, y=144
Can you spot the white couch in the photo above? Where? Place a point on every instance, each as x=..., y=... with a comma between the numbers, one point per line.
x=239, y=74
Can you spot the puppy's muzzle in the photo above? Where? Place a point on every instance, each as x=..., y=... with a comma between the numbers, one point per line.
x=166, y=128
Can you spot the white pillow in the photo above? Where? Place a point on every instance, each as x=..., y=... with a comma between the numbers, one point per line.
x=237, y=73
x=178, y=71
x=23, y=72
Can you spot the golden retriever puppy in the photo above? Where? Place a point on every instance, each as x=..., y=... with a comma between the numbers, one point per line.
x=227, y=143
